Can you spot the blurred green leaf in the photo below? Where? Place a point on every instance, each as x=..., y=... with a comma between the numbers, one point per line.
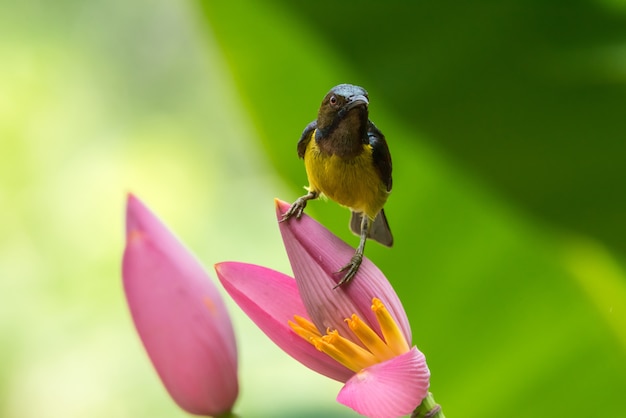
x=511, y=326
x=527, y=94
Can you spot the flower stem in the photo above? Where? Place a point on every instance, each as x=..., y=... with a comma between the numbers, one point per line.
x=428, y=408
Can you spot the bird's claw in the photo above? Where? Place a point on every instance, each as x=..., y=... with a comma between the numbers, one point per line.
x=295, y=209
x=352, y=267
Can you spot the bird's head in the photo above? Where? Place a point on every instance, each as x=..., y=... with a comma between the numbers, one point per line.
x=344, y=104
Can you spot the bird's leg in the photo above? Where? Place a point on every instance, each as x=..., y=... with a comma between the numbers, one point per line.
x=298, y=206
x=355, y=262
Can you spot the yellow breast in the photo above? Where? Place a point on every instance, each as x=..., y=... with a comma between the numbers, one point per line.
x=352, y=182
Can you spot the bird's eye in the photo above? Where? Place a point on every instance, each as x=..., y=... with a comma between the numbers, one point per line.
x=333, y=100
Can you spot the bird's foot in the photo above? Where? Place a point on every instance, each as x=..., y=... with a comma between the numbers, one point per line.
x=352, y=267
x=298, y=206
x=295, y=209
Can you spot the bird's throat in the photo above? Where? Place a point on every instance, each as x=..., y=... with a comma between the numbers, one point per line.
x=346, y=137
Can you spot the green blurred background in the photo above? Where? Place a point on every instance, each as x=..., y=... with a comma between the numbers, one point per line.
x=506, y=122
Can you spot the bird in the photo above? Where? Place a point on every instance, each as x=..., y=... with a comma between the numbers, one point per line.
x=347, y=159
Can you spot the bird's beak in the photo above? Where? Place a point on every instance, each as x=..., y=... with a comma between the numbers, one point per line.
x=357, y=100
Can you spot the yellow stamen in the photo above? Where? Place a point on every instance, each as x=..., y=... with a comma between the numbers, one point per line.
x=304, y=328
x=390, y=329
x=306, y=324
x=369, y=338
x=350, y=352
x=352, y=355
x=335, y=353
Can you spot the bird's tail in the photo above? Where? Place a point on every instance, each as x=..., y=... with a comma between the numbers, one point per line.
x=379, y=231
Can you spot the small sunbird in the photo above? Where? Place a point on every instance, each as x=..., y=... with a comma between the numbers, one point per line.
x=347, y=159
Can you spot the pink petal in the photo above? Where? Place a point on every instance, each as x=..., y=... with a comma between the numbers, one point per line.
x=271, y=299
x=179, y=315
x=390, y=389
x=315, y=255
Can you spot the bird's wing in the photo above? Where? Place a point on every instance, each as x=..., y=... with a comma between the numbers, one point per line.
x=379, y=231
x=380, y=154
x=306, y=137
